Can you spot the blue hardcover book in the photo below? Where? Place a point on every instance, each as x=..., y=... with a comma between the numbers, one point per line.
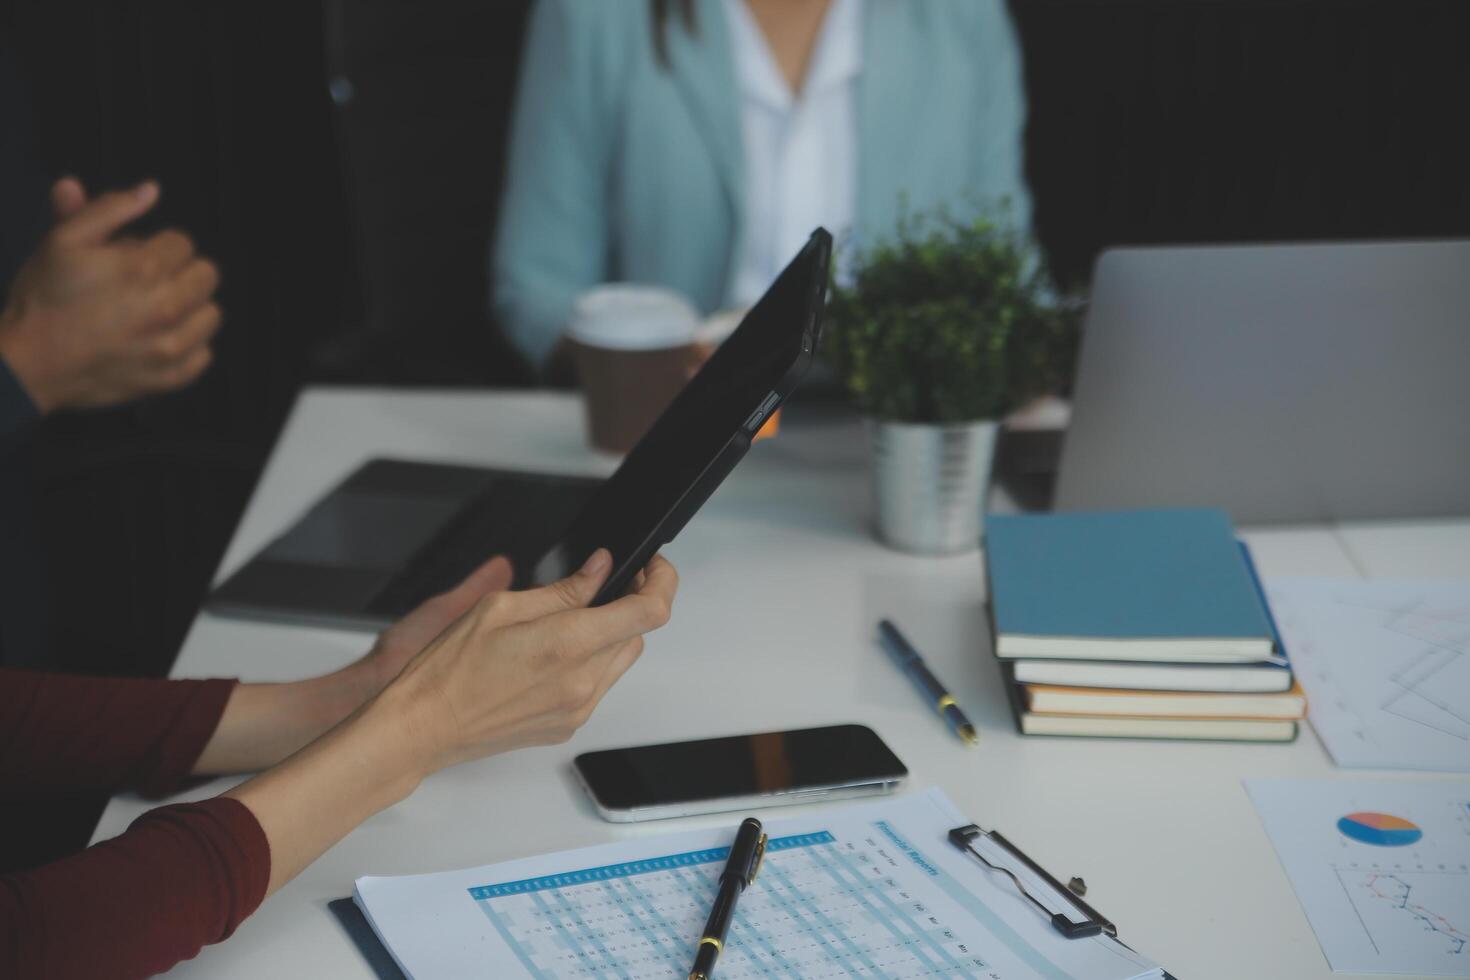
x=1150, y=585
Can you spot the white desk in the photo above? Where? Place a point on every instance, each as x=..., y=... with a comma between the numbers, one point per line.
x=782, y=585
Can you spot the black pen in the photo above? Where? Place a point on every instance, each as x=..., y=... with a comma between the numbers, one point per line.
x=740, y=871
x=908, y=658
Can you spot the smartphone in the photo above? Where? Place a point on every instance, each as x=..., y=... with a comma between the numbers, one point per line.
x=679, y=779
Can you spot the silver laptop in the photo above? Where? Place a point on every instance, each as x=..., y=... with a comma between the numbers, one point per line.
x=1280, y=382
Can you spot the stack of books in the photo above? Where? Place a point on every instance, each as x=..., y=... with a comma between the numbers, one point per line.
x=1136, y=624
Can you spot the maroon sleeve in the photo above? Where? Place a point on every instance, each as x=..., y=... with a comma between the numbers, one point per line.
x=181, y=877
x=62, y=734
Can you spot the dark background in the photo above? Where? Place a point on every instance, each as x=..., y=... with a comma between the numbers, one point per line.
x=352, y=233
x=1243, y=120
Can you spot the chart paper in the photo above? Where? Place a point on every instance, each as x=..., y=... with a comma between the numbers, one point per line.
x=1382, y=869
x=1386, y=667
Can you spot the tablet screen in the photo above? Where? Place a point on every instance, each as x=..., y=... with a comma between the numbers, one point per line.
x=768, y=352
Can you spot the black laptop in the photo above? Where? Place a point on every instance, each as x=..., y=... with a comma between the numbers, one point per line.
x=396, y=532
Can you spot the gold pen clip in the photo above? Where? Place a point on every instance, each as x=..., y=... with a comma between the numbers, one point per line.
x=760, y=856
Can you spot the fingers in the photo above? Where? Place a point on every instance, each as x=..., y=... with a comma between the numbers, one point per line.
x=572, y=592
x=493, y=576
x=579, y=588
x=641, y=611
x=192, y=286
x=181, y=341
x=183, y=371
x=67, y=197
x=163, y=255
x=182, y=354
x=172, y=301
x=96, y=221
x=660, y=578
x=584, y=631
x=486, y=686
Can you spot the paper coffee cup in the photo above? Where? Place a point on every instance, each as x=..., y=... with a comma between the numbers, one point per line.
x=633, y=348
x=718, y=326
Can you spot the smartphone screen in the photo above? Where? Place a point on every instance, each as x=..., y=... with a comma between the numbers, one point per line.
x=740, y=766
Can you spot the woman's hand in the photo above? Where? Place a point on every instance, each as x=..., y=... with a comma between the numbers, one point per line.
x=264, y=723
x=518, y=669
x=524, y=668
x=399, y=643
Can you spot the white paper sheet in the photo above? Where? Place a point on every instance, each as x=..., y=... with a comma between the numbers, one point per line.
x=1381, y=869
x=1386, y=667
x=877, y=887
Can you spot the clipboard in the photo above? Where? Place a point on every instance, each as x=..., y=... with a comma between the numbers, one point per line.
x=1086, y=920
x=1004, y=883
x=355, y=924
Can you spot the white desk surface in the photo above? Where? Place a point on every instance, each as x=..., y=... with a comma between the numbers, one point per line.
x=782, y=584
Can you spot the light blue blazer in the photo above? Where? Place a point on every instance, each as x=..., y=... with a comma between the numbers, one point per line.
x=620, y=170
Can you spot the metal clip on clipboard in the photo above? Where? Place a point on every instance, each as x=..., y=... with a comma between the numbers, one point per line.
x=1093, y=924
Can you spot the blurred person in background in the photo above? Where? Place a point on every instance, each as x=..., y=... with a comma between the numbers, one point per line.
x=94, y=317
x=694, y=144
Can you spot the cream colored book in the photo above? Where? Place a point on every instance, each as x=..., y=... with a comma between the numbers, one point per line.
x=1047, y=699
x=1105, y=726
x=1262, y=678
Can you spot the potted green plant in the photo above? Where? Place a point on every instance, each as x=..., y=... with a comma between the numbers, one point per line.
x=942, y=331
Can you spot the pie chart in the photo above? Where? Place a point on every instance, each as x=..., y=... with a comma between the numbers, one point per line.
x=1379, y=829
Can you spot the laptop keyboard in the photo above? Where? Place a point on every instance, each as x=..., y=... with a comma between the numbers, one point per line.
x=511, y=518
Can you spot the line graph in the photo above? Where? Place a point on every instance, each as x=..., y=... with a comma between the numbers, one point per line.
x=1432, y=690
x=1410, y=906
x=1386, y=667
x=1382, y=869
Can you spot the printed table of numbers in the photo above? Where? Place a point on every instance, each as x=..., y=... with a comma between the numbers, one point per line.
x=820, y=907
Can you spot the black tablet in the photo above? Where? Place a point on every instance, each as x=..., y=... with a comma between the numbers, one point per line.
x=700, y=437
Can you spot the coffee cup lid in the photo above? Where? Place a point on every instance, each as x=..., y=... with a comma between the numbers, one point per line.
x=630, y=316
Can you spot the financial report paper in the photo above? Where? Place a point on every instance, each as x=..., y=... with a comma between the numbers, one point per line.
x=870, y=891
x=1382, y=870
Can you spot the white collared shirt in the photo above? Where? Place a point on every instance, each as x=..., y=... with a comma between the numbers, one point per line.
x=800, y=150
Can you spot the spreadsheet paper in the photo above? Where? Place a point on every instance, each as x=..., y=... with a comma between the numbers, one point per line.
x=870, y=891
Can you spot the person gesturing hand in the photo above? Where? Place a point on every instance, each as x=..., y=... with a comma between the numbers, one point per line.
x=96, y=318
x=517, y=669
